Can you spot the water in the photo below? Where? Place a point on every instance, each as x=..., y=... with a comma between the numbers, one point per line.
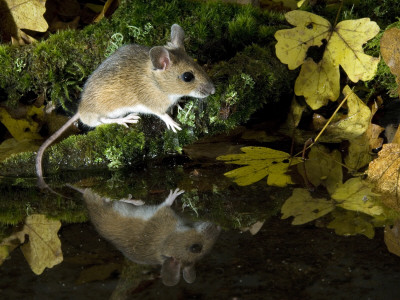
x=280, y=261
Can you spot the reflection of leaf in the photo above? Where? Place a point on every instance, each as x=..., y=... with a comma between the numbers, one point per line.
x=26, y=14
x=351, y=223
x=355, y=195
x=44, y=247
x=98, y=273
x=260, y=162
x=26, y=128
x=392, y=238
x=323, y=168
x=254, y=228
x=319, y=82
x=12, y=146
x=304, y=208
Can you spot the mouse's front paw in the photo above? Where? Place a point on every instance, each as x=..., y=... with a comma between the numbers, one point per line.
x=171, y=124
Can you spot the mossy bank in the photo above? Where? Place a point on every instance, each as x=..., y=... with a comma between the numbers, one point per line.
x=234, y=43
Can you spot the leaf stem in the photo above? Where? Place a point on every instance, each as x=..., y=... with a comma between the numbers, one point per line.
x=338, y=13
x=309, y=143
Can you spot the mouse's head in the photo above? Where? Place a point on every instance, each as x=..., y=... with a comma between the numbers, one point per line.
x=177, y=74
x=183, y=248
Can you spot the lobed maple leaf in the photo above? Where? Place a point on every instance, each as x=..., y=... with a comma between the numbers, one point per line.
x=261, y=162
x=319, y=82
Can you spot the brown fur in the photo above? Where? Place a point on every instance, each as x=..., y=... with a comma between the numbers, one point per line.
x=163, y=238
x=136, y=79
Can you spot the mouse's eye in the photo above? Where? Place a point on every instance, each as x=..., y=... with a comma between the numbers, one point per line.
x=195, y=248
x=187, y=76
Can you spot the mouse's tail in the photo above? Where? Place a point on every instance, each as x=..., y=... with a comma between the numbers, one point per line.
x=48, y=142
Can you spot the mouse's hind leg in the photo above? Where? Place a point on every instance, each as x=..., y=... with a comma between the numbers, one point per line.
x=129, y=119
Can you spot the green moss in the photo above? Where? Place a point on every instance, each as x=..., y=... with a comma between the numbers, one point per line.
x=21, y=198
x=58, y=66
x=246, y=76
x=108, y=145
x=384, y=83
x=245, y=83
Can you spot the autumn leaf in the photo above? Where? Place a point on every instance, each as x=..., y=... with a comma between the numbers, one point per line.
x=384, y=173
x=352, y=125
x=43, y=250
x=304, y=208
x=360, y=148
x=392, y=238
x=261, y=162
x=12, y=146
x=356, y=195
x=319, y=82
x=390, y=51
x=26, y=128
x=109, y=7
x=23, y=14
x=323, y=168
x=351, y=223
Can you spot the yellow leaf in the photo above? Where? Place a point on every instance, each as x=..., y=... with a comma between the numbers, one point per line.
x=293, y=44
x=44, y=247
x=354, y=124
x=360, y=148
x=392, y=238
x=295, y=114
x=323, y=168
x=350, y=223
x=12, y=146
x=319, y=82
x=346, y=49
x=358, y=154
x=260, y=162
x=25, y=14
x=304, y=208
x=356, y=195
x=23, y=129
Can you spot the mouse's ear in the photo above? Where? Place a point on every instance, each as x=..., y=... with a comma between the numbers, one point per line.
x=170, y=271
x=177, y=36
x=189, y=273
x=160, y=58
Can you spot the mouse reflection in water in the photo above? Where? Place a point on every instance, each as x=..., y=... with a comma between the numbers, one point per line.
x=153, y=234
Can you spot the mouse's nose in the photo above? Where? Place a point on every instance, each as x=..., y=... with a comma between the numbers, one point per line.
x=210, y=88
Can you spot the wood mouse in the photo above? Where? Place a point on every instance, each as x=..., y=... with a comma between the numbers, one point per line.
x=152, y=234
x=133, y=80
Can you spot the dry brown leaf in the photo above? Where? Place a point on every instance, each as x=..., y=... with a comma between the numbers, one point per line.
x=22, y=14
x=374, y=130
x=109, y=7
x=385, y=174
x=392, y=238
x=391, y=52
x=396, y=139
